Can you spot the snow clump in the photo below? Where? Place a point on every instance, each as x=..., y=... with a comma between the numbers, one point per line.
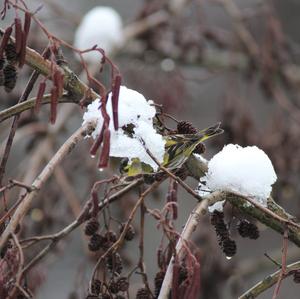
x=135, y=122
x=245, y=170
x=101, y=26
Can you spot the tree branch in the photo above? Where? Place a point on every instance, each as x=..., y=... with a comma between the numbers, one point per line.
x=269, y=281
x=71, y=82
x=29, y=104
x=24, y=206
x=187, y=231
x=274, y=216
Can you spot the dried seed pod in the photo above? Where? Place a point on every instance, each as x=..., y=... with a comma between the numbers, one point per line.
x=96, y=286
x=10, y=53
x=158, y=280
x=114, y=263
x=143, y=293
x=113, y=287
x=91, y=227
x=185, y=127
x=200, y=149
x=5, y=39
x=10, y=77
x=229, y=247
x=123, y=284
x=296, y=276
x=130, y=233
x=217, y=220
x=248, y=230
x=111, y=236
x=104, y=296
x=95, y=242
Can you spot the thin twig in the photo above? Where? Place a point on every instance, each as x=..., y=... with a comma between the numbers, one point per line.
x=283, y=264
x=187, y=231
x=34, y=76
x=172, y=175
x=41, y=179
x=120, y=240
x=20, y=266
x=29, y=104
x=269, y=281
x=72, y=226
x=141, y=263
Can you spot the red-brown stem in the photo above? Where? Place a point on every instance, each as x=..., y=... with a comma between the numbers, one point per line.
x=283, y=263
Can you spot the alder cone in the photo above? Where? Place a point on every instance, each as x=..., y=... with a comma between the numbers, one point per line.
x=158, y=281
x=123, y=284
x=95, y=242
x=229, y=247
x=185, y=127
x=10, y=53
x=10, y=77
x=143, y=294
x=91, y=227
x=114, y=287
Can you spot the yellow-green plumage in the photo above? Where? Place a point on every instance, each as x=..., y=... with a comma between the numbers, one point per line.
x=180, y=147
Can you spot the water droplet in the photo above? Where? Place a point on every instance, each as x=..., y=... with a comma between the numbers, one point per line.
x=101, y=169
x=93, y=156
x=229, y=257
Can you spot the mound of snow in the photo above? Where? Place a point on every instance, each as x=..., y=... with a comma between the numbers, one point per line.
x=135, y=111
x=245, y=170
x=101, y=26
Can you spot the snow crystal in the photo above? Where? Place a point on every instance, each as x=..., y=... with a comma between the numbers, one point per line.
x=101, y=26
x=136, y=111
x=247, y=171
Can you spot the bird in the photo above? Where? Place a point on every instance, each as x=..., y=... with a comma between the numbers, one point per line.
x=179, y=147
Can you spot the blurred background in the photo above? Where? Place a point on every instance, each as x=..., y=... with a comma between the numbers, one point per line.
x=205, y=61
